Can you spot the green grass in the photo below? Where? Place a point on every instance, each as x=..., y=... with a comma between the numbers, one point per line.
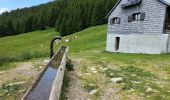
x=25, y=46
x=28, y=42
x=89, y=47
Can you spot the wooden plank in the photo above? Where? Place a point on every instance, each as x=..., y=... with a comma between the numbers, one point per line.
x=58, y=82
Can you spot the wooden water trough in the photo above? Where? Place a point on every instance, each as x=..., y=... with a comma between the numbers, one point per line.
x=48, y=84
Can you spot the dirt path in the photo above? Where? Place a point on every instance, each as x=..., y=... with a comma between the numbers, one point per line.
x=23, y=69
x=22, y=74
x=76, y=91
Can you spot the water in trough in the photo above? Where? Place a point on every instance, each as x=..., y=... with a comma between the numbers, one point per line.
x=42, y=89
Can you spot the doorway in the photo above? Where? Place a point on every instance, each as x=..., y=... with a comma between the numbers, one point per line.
x=167, y=20
x=117, y=41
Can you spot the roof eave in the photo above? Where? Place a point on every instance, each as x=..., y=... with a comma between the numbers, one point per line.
x=113, y=9
x=164, y=2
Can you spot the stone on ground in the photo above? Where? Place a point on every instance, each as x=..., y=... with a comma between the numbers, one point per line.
x=93, y=92
x=116, y=80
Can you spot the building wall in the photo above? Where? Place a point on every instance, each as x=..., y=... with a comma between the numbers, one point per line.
x=139, y=43
x=168, y=45
x=139, y=36
x=152, y=24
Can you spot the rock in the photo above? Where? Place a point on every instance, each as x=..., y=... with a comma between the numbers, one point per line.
x=116, y=80
x=101, y=68
x=88, y=74
x=97, y=51
x=42, y=45
x=93, y=92
x=46, y=61
x=148, y=90
x=131, y=90
x=40, y=67
x=94, y=72
x=22, y=91
x=142, y=94
x=156, y=91
x=165, y=78
x=148, y=96
x=111, y=74
x=75, y=37
x=93, y=69
x=83, y=77
x=103, y=61
x=6, y=91
x=16, y=83
x=79, y=74
x=58, y=42
x=133, y=74
x=92, y=85
x=104, y=69
x=1, y=72
x=66, y=40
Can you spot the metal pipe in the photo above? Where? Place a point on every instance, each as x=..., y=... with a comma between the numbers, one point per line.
x=52, y=45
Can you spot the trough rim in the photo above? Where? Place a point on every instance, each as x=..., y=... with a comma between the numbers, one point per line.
x=35, y=81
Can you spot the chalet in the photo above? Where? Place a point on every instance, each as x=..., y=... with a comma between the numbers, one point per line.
x=139, y=26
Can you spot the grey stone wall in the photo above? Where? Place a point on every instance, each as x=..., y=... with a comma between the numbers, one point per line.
x=152, y=24
x=139, y=43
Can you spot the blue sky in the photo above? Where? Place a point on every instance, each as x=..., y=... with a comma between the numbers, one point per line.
x=7, y=5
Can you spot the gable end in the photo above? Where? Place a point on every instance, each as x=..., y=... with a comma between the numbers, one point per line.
x=162, y=1
x=165, y=2
x=113, y=8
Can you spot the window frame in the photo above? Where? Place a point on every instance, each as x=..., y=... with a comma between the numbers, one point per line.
x=139, y=16
x=136, y=16
x=115, y=20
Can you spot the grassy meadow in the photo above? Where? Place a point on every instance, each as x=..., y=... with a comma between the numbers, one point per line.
x=25, y=46
x=144, y=76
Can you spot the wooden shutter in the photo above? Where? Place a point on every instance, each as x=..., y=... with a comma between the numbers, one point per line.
x=130, y=18
x=142, y=16
x=111, y=21
x=119, y=20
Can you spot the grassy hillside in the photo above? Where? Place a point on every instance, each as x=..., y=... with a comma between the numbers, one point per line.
x=25, y=46
x=144, y=76
x=36, y=44
x=28, y=42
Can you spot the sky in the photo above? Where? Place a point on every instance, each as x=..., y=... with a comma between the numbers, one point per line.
x=7, y=5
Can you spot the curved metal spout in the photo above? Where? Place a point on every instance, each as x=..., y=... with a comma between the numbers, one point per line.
x=52, y=45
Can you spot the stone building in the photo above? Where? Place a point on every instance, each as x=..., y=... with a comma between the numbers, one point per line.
x=139, y=26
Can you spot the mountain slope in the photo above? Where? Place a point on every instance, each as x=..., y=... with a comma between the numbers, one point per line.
x=143, y=76
x=36, y=44
x=68, y=16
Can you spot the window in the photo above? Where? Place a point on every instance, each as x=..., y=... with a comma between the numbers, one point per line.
x=136, y=17
x=115, y=20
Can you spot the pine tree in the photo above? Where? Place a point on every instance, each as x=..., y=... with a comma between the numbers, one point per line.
x=67, y=16
x=63, y=28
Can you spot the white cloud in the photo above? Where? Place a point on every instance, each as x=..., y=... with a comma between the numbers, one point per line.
x=3, y=10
